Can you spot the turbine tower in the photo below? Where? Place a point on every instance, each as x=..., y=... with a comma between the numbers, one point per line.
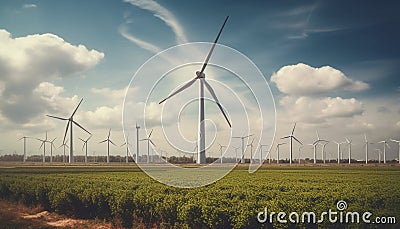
x=291, y=137
x=24, y=137
x=300, y=147
x=277, y=150
x=398, y=142
x=236, y=148
x=338, y=150
x=243, y=137
x=137, y=143
x=349, y=142
x=385, y=143
x=148, y=145
x=261, y=151
x=201, y=77
x=85, y=144
x=315, y=146
x=220, y=150
x=64, y=145
x=366, y=148
x=323, y=151
x=108, y=145
x=251, y=151
x=69, y=125
x=379, y=155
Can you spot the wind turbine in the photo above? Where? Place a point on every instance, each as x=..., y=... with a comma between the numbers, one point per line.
x=64, y=145
x=366, y=148
x=220, y=150
x=127, y=149
x=44, y=147
x=236, y=148
x=338, y=150
x=108, y=145
x=398, y=142
x=315, y=146
x=51, y=149
x=379, y=155
x=323, y=151
x=300, y=147
x=261, y=157
x=148, y=145
x=85, y=144
x=349, y=143
x=291, y=137
x=277, y=150
x=385, y=143
x=69, y=125
x=24, y=137
x=243, y=137
x=201, y=77
x=251, y=151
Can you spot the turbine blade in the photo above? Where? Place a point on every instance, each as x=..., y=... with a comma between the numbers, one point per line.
x=103, y=141
x=89, y=137
x=123, y=144
x=109, y=132
x=81, y=127
x=152, y=142
x=297, y=140
x=112, y=142
x=212, y=47
x=188, y=84
x=53, y=140
x=66, y=130
x=365, y=137
x=51, y=116
x=73, y=113
x=294, y=128
x=83, y=146
x=81, y=139
x=150, y=133
x=209, y=88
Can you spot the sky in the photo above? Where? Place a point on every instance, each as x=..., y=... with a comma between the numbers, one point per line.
x=331, y=66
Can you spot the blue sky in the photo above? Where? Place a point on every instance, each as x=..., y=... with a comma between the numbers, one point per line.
x=359, y=39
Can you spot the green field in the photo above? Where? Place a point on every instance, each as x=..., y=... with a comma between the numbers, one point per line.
x=127, y=195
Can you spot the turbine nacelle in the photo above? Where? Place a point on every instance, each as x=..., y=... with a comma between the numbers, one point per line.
x=200, y=75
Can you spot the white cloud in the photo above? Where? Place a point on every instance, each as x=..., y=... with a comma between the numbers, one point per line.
x=315, y=110
x=164, y=14
x=102, y=117
x=29, y=6
x=302, y=79
x=28, y=63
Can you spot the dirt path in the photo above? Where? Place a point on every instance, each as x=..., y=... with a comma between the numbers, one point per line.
x=14, y=215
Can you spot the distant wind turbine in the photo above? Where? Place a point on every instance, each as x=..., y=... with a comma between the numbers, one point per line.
x=51, y=149
x=379, y=155
x=338, y=150
x=148, y=145
x=69, y=125
x=24, y=137
x=291, y=137
x=323, y=151
x=349, y=142
x=44, y=147
x=277, y=151
x=385, y=143
x=64, y=145
x=236, y=148
x=137, y=143
x=314, y=144
x=398, y=142
x=220, y=150
x=126, y=143
x=243, y=137
x=366, y=148
x=201, y=77
x=108, y=140
x=251, y=151
x=261, y=153
x=85, y=145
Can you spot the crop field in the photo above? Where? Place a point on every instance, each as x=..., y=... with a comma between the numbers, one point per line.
x=129, y=196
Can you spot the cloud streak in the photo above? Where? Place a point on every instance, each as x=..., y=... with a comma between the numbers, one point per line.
x=141, y=43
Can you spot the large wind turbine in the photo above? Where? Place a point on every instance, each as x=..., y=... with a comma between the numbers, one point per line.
x=398, y=142
x=108, y=145
x=220, y=150
x=148, y=145
x=85, y=144
x=291, y=137
x=277, y=152
x=385, y=143
x=201, y=77
x=243, y=137
x=349, y=142
x=24, y=137
x=44, y=146
x=69, y=125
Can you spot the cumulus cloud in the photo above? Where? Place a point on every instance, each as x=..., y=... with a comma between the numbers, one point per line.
x=27, y=63
x=163, y=14
x=315, y=110
x=302, y=79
